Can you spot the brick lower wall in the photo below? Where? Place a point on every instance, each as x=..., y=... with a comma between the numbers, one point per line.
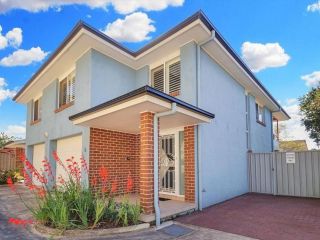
x=119, y=153
x=189, y=151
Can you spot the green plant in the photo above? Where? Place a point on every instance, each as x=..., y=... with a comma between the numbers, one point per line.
x=84, y=206
x=128, y=213
x=69, y=204
x=310, y=111
x=99, y=209
x=4, y=175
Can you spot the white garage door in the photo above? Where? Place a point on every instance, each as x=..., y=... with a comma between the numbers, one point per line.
x=67, y=148
x=38, y=156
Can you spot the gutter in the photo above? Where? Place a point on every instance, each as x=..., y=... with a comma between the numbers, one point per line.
x=156, y=159
x=198, y=166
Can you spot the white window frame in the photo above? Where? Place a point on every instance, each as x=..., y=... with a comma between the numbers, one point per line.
x=258, y=108
x=39, y=109
x=165, y=63
x=68, y=77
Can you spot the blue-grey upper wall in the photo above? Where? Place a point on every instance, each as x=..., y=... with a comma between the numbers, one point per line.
x=261, y=135
x=222, y=144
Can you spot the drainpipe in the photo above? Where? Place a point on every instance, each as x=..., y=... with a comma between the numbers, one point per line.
x=198, y=143
x=156, y=158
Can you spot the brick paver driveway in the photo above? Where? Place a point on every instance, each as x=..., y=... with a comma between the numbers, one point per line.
x=11, y=206
x=264, y=217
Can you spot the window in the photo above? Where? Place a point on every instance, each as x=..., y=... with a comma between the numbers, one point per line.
x=158, y=78
x=247, y=100
x=36, y=112
x=259, y=113
x=167, y=77
x=67, y=90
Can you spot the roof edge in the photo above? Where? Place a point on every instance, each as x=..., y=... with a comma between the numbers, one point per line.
x=198, y=15
x=83, y=25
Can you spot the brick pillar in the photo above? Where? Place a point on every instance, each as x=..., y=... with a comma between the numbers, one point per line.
x=146, y=162
x=189, y=162
x=20, y=154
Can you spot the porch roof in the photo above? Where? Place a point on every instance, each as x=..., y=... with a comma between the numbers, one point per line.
x=123, y=113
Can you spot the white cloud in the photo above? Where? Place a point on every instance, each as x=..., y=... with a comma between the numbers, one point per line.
x=314, y=7
x=121, y=6
x=133, y=28
x=14, y=37
x=129, y=6
x=5, y=93
x=23, y=57
x=3, y=40
x=293, y=129
x=18, y=131
x=312, y=79
x=261, y=56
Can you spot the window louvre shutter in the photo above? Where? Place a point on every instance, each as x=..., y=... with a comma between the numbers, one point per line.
x=36, y=110
x=174, y=77
x=71, y=87
x=158, y=78
x=63, y=93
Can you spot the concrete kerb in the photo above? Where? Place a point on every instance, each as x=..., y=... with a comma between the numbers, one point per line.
x=52, y=233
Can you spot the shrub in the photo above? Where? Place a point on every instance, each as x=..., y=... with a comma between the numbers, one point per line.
x=68, y=204
x=5, y=174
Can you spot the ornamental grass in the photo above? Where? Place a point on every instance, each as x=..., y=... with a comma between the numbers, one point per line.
x=69, y=204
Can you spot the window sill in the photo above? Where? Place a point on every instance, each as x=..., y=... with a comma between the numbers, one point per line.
x=175, y=94
x=35, y=122
x=63, y=107
x=261, y=123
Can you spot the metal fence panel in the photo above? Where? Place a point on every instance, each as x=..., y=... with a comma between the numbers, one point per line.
x=270, y=173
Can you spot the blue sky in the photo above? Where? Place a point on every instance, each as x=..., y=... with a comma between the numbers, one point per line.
x=281, y=40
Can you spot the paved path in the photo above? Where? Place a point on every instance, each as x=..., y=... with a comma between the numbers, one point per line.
x=11, y=206
x=265, y=217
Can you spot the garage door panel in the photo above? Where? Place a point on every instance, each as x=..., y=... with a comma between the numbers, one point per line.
x=66, y=149
x=38, y=157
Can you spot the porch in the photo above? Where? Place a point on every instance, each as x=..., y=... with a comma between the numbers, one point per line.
x=168, y=208
x=122, y=139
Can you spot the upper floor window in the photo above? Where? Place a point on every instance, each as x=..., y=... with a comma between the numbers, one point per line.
x=36, y=110
x=167, y=77
x=67, y=90
x=260, y=114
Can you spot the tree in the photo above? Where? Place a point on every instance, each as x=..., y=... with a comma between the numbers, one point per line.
x=310, y=110
x=4, y=139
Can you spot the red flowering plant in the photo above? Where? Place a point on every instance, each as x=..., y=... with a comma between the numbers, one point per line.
x=64, y=201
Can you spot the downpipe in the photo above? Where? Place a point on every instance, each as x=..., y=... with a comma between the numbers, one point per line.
x=156, y=159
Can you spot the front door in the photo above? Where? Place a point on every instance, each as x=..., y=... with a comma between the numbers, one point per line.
x=170, y=164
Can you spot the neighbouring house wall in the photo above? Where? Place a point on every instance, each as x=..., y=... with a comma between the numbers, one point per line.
x=222, y=147
x=261, y=135
x=110, y=79
x=119, y=153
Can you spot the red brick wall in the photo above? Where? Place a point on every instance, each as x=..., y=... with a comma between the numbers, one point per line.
x=20, y=154
x=189, y=152
x=112, y=149
x=16, y=155
x=146, y=162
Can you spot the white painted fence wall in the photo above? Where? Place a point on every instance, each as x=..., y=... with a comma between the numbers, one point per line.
x=270, y=173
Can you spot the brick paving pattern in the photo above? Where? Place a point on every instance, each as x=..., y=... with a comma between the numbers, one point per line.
x=264, y=217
